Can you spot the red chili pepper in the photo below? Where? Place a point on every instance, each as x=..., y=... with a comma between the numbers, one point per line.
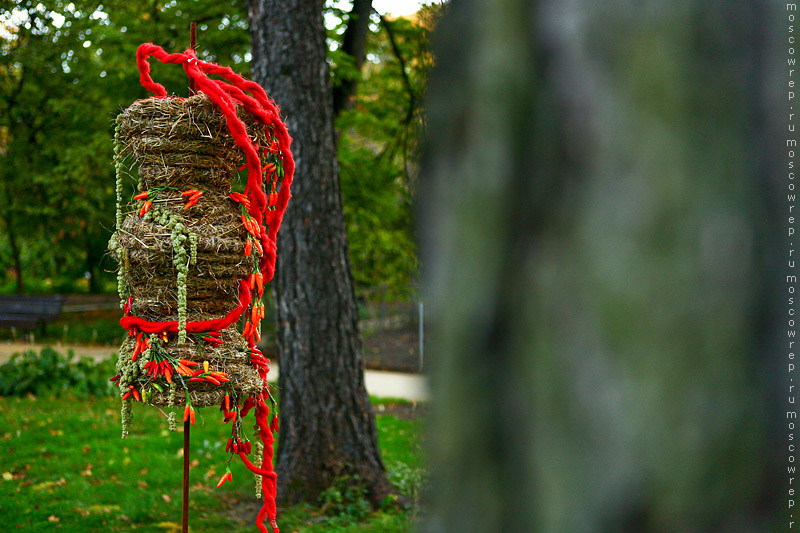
x=186, y=412
x=274, y=425
x=229, y=447
x=269, y=167
x=227, y=402
x=191, y=415
x=145, y=207
x=225, y=477
x=126, y=395
x=142, y=195
x=189, y=192
x=196, y=379
x=191, y=202
x=212, y=379
x=213, y=340
x=248, y=247
x=215, y=333
x=187, y=362
x=114, y=379
x=235, y=448
x=136, y=395
x=260, y=282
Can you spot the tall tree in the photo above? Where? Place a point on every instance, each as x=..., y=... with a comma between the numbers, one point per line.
x=328, y=430
x=594, y=240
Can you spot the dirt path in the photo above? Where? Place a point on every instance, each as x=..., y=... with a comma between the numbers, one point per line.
x=98, y=353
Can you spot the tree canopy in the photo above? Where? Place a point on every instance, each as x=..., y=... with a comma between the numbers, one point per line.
x=67, y=68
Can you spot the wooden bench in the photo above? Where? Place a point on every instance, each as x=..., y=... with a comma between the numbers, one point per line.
x=28, y=312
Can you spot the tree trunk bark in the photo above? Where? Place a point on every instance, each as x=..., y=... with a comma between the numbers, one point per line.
x=12, y=240
x=8, y=219
x=327, y=426
x=593, y=237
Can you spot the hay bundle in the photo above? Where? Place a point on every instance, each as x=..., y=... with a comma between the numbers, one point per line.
x=179, y=145
x=194, y=257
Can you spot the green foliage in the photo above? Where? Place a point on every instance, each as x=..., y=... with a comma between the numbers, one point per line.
x=67, y=68
x=408, y=480
x=49, y=372
x=379, y=148
x=65, y=71
x=345, y=498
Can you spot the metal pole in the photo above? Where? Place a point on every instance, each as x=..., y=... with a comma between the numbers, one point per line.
x=187, y=425
x=193, y=44
x=186, y=429
x=421, y=334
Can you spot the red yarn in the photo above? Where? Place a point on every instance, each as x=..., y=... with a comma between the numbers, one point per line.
x=226, y=94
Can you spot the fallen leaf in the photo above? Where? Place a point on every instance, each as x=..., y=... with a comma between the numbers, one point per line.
x=49, y=485
x=88, y=471
x=53, y=518
x=86, y=449
x=8, y=476
x=166, y=498
x=169, y=526
x=142, y=484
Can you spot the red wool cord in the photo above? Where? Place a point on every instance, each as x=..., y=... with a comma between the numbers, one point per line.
x=226, y=94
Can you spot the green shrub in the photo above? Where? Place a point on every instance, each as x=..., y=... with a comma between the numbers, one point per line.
x=345, y=498
x=49, y=372
x=407, y=480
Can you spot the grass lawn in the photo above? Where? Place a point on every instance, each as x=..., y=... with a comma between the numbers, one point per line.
x=63, y=466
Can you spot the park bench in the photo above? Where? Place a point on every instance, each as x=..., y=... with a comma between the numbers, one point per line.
x=28, y=312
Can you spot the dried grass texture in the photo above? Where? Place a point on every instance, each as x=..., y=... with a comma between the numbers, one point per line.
x=182, y=144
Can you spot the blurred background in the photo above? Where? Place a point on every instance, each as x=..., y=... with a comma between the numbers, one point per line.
x=599, y=211
x=603, y=216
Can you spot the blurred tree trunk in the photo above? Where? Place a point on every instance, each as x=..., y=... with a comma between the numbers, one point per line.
x=11, y=230
x=327, y=427
x=354, y=44
x=594, y=232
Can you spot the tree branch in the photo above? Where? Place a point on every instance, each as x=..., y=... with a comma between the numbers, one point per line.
x=354, y=44
x=412, y=97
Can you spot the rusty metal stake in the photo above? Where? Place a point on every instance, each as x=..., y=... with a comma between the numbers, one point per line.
x=187, y=425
